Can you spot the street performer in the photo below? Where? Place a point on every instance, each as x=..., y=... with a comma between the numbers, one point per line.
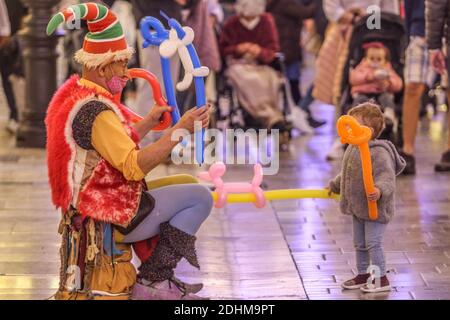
x=96, y=171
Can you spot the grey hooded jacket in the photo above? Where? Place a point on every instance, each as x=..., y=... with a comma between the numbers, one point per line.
x=386, y=165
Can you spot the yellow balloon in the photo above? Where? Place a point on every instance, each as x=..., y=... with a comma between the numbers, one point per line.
x=283, y=194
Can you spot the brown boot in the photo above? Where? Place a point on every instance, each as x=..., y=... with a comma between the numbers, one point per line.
x=157, y=271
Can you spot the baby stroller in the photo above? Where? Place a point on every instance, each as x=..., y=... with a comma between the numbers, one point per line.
x=393, y=35
x=231, y=114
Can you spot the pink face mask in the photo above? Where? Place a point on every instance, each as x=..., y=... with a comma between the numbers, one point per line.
x=116, y=84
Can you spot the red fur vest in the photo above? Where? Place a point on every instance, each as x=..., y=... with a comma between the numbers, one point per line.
x=105, y=195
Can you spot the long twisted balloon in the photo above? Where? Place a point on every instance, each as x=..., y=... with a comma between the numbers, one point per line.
x=353, y=133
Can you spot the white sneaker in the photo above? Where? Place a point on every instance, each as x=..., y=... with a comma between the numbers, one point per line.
x=336, y=152
x=389, y=114
x=371, y=288
x=12, y=126
x=299, y=120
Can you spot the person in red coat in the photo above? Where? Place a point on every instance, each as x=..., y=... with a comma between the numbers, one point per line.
x=251, y=33
x=249, y=43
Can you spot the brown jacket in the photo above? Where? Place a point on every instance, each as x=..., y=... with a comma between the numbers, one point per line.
x=437, y=13
x=288, y=15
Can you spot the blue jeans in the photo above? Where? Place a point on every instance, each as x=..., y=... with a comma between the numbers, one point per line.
x=293, y=71
x=305, y=103
x=368, y=238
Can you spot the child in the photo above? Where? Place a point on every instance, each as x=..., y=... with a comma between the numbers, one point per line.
x=375, y=78
x=368, y=234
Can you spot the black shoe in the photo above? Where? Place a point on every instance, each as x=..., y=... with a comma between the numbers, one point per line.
x=283, y=126
x=315, y=123
x=410, y=168
x=444, y=164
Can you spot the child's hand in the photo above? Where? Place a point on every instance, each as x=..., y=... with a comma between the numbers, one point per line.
x=385, y=84
x=329, y=192
x=374, y=196
x=370, y=77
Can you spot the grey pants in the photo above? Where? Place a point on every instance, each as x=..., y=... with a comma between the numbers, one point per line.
x=368, y=239
x=185, y=206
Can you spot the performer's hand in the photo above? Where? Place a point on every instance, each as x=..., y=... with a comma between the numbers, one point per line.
x=156, y=113
x=189, y=118
x=374, y=196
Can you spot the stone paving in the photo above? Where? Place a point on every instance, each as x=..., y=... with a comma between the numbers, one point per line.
x=289, y=250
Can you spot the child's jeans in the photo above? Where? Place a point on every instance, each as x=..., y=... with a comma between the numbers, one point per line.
x=368, y=238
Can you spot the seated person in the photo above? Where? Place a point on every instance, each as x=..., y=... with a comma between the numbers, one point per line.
x=249, y=42
x=375, y=78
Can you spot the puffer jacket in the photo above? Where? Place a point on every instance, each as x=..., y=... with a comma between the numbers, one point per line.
x=289, y=15
x=386, y=165
x=437, y=13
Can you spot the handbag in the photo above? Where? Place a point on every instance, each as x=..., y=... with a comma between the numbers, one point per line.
x=146, y=206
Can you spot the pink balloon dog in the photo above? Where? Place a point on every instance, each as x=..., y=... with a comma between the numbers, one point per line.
x=215, y=173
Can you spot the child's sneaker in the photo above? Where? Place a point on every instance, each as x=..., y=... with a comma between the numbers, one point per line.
x=357, y=282
x=377, y=285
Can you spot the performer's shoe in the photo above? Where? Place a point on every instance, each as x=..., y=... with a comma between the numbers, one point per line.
x=157, y=273
x=188, y=287
x=161, y=290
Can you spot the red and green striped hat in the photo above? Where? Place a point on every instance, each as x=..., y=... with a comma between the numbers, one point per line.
x=105, y=41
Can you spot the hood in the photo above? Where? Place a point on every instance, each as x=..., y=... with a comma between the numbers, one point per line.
x=400, y=163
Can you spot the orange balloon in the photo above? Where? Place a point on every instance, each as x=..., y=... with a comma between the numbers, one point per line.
x=351, y=132
x=166, y=118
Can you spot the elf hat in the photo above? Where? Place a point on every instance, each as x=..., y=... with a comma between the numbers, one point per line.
x=105, y=42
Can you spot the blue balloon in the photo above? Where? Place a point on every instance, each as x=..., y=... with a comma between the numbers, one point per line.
x=154, y=33
x=155, y=38
x=200, y=94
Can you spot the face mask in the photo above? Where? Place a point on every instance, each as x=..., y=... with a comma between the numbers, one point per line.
x=116, y=84
x=250, y=8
